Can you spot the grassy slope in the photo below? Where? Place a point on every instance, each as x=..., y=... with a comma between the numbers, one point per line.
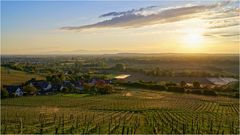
x=9, y=76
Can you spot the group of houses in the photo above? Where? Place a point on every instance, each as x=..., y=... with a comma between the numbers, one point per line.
x=45, y=88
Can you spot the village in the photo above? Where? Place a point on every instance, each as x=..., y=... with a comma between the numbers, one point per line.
x=58, y=84
x=44, y=87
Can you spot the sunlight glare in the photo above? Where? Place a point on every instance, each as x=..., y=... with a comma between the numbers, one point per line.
x=193, y=40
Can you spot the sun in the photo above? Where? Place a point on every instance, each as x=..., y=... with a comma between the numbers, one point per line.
x=193, y=40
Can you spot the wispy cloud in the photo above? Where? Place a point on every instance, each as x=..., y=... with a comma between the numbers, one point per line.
x=223, y=14
x=145, y=16
x=216, y=15
x=127, y=12
x=230, y=35
x=224, y=23
x=221, y=35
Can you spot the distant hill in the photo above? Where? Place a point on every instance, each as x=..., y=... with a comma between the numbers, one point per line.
x=168, y=54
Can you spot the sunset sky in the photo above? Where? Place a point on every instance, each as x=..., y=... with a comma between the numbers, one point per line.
x=80, y=27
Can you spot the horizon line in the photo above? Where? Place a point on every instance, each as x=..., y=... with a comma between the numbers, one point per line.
x=114, y=54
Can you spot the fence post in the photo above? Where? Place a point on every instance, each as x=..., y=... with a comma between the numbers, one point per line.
x=21, y=125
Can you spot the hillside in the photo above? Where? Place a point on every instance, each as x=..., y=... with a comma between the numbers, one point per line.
x=9, y=76
x=131, y=111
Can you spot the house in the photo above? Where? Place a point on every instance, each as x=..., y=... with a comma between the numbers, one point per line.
x=78, y=85
x=100, y=82
x=66, y=84
x=121, y=78
x=56, y=87
x=44, y=87
x=41, y=85
x=221, y=81
x=93, y=81
x=108, y=81
x=67, y=72
x=14, y=90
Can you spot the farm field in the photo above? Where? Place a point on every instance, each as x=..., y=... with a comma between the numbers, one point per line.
x=12, y=77
x=135, y=77
x=132, y=111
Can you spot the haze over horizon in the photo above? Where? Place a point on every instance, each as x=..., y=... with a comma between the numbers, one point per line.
x=109, y=27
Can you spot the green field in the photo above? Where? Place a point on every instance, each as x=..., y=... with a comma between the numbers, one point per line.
x=73, y=95
x=132, y=111
x=11, y=77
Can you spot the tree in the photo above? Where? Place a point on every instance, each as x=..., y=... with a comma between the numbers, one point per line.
x=120, y=67
x=176, y=89
x=86, y=76
x=87, y=87
x=170, y=84
x=209, y=92
x=104, y=89
x=237, y=95
x=49, y=78
x=4, y=93
x=235, y=85
x=53, y=79
x=197, y=91
x=183, y=84
x=62, y=77
x=65, y=90
x=30, y=90
x=196, y=85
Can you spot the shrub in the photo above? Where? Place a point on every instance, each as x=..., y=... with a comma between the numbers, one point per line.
x=4, y=93
x=237, y=95
x=196, y=91
x=158, y=87
x=196, y=85
x=86, y=87
x=104, y=89
x=176, y=89
x=171, y=84
x=30, y=90
x=209, y=92
x=183, y=84
x=65, y=90
x=120, y=67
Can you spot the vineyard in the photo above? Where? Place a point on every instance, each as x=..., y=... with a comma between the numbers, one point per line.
x=128, y=112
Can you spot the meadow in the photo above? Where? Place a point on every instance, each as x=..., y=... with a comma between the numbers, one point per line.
x=131, y=111
x=13, y=77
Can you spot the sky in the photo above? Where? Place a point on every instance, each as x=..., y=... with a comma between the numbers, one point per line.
x=101, y=27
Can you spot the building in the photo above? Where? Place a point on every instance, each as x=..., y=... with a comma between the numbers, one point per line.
x=41, y=85
x=14, y=90
x=220, y=81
